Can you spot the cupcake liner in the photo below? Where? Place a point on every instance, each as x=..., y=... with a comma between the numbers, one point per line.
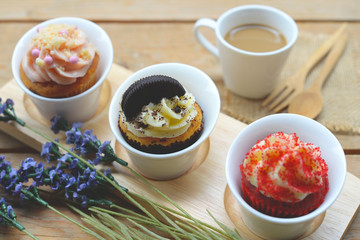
x=275, y=208
x=161, y=147
x=54, y=90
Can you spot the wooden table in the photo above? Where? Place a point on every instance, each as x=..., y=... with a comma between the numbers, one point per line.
x=149, y=32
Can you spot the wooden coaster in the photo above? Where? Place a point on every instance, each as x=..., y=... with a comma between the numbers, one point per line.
x=34, y=113
x=233, y=210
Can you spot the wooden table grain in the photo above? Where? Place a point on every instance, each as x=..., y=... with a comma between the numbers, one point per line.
x=149, y=32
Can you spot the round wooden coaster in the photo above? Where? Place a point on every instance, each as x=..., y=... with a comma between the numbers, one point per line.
x=200, y=156
x=34, y=113
x=232, y=208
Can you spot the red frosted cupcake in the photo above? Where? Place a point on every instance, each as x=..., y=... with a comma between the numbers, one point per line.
x=284, y=177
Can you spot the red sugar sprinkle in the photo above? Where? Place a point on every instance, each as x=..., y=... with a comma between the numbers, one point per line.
x=298, y=166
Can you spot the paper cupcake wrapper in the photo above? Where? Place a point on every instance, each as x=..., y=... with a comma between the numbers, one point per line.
x=54, y=90
x=275, y=208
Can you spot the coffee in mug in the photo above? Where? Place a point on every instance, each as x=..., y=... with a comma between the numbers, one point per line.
x=255, y=38
x=246, y=73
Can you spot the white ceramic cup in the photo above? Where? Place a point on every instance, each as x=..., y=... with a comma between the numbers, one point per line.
x=249, y=74
x=171, y=165
x=307, y=130
x=84, y=105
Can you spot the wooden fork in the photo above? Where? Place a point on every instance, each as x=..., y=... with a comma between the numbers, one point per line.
x=285, y=91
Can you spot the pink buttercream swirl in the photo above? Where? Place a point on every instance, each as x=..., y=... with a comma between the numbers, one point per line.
x=58, y=53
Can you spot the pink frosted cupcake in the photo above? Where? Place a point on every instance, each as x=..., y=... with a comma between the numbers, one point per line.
x=284, y=177
x=59, y=62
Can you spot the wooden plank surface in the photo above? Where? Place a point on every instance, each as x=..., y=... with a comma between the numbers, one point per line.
x=149, y=32
x=163, y=10
x=136, y=46
x=208, y=173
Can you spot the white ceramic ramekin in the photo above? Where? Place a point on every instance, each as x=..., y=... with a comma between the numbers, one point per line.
x=82, y=106
x=307, y=130
x=172, y=165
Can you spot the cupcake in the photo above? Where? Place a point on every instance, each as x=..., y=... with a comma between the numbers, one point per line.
x=284, y=177
x=158, y=115
x=59, y=62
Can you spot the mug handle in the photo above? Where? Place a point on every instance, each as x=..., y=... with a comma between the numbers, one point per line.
x=210, y=23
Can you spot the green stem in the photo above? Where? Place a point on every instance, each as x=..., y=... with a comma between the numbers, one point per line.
x=13, y=117
x=205, y=228
x=130, y=215
x=45, y=204
x=29, y=234
x=13, y=222
x=116, y=186
x=186, y=214
x=85, y=229
x=17, y=225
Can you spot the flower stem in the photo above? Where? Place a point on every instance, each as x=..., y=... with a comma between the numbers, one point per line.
x=205, y=227
x=119, y=188
x=13, y=117
x=29, y=234
x=17, y=225
x=85, y=229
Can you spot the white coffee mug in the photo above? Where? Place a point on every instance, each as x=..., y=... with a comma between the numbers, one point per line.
x=249, y=74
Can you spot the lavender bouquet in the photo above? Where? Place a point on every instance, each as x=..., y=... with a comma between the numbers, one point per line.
x=72, y=173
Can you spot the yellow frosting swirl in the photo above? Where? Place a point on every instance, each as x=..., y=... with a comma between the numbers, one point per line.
x=166, y=119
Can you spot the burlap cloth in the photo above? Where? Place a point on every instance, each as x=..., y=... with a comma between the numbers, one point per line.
x=341, y=91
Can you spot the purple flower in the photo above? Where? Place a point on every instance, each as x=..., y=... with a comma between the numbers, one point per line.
x=52, y=173
x=18, y=188
x=101, y=155
x=8, y=177
x=97, y=159
x=73, y=135
x=107, y=172
x=87, y=180
x=71, y=181
x=28, y=163
x=74, y=163
x=39, y=171
x=13, y=173
x=27, y=166
x=75, y=196
x=50, y=151
x=7, y=210
x=58, y=123
x=10, y=211
x=103, y=146
x=64, y=158
x=8, y=104
x=58, y=178
x=84, y=200
x=88, y=134
x=81, y=187
x=7, y=112
x=85, y=143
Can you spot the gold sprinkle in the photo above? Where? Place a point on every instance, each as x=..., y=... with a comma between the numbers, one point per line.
x=40, y=62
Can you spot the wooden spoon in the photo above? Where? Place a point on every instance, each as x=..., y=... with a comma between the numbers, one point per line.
x=309, y=102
